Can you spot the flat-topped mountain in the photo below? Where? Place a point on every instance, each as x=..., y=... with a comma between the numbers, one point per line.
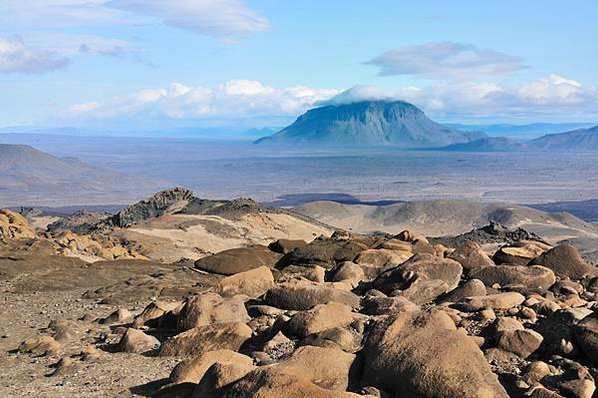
x=29, y=176
x=396, y=123
x=576, y=140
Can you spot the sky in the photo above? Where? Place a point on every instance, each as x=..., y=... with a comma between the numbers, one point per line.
x=202, y=63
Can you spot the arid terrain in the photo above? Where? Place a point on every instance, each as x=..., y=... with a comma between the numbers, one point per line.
x=177, y=296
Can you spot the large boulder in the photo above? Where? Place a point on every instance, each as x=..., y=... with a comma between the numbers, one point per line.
x=586, y=334
x=473, y=287
x=375, y=261
x=270, y=382
x=329, y=368
x=534, y=276
x=320, y=318
x=196, y=341
x=416, y=354
x=471, y=257
x=233, y=261
x=136, y=341
x=301, y=294
x=154, y=314
x=252, y=283
x=347, y=272
x=284, y=246
x=192, y=370
x=216, y=379
x=565, y=261
x=422, y=278
x=40, y=345
x=498, y=301
x=324, y=252
x=211, y=308
x=522, y=342
x=520, y=253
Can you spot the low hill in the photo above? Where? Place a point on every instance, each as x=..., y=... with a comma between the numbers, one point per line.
x=576, y=140
x=447, y=217
x=488, y=144
x=369, y=123
x=32, y=177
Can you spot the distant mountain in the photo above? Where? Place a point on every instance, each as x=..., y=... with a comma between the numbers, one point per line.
x=372, y=123
x=577, y=140
x=520, y=131
x=488, y=144
x=32, y=177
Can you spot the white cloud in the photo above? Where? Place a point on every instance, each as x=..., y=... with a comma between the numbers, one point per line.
x=231, y=100
x=223, y=19
x=554, y=97
x=445, y=59
x=18, y=57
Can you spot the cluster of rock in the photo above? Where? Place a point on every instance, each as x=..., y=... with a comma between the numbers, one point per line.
x=152, y=207
x=18, y=236
x=384, y=316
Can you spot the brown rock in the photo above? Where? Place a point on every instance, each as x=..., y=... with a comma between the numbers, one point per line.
x=375, y=261
x=300, y=295
x=471, y=257
x=586, y=334
x=284, y=246
x=201, y=339
x=192, y=370
x=40, y=345
x=565, y=261
x=382, y=305
x=218, y=377
x=521, y=342
x=520, y=253
x=211, y=308
x=152, y=313
x=348, y=272
x=320, y=318
x=473, y=287
x=417, y=270
x=499, y=301
x=329, y=368
x=252, y=283
x=534, y=276
x=233, y=261
x=324, y=252
x=269, y=382
x=136, y=341
x=423, y=355
x=411, y=236
x=121, y=315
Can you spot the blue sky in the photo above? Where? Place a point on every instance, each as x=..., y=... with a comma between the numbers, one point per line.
x=134, y=63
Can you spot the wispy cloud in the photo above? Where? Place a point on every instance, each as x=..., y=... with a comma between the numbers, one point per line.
x=223, y=19
x=441, y=60
x=18, y=57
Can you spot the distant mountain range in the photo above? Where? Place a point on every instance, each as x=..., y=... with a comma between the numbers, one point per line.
x=582, y=139
x=395, y=123
x=32, y=177
x=521, y=131
x=403, y=125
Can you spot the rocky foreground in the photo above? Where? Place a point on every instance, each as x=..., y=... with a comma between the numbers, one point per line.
x=491, y=313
